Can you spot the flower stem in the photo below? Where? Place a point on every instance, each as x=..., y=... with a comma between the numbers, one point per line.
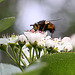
x=44, y=50
x=26, y=57
x=36, y=53
x=39, y=53
x=10, y=56
x=15, y=55
x=14, y=60
x=20, y=67
x=20, y=54
x=33, y=55
x=22, y=61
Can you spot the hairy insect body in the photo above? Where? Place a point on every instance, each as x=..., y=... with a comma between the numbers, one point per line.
x=44, y=26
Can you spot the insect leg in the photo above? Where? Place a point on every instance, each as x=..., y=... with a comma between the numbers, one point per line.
x=51, y=35
x=44, y=27
x=38, y=26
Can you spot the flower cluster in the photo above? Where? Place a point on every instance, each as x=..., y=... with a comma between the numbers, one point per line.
x=64, y=44
x=32, y=45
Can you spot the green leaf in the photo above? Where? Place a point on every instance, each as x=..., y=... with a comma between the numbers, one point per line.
x=34, y=69
x=59, y=64
x=6, y=23
x=7, y=69
x=1, y=0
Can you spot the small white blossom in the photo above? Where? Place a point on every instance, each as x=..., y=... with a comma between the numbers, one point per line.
x=66, y=39
x=59, y=47
x=22, y=38
x=43, y=39
x=3, y=41
x=13, y=40
x=57, y=40
x=40, y=43
x=68, y=47
x=32, y=37
x=73, y=40
x=48, y=38
x=50, y=43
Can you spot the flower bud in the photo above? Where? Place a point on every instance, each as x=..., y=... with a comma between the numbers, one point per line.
x=22, y=40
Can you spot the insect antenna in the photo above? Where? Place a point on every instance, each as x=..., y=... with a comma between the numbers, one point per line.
x=55, y=20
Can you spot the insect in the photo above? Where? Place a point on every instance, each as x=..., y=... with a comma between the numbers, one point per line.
x=44, y=25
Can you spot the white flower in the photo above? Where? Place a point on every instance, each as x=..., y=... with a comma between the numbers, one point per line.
x=27, y=33
x=68, y=47
x=61, y=44
x=48, y=37
x=50, y=43
x=66, y=39
x=34, y=37
x=22, y=38
x=40, y=43
x=3, y=41
x=57, y=39
x=43, y=39
x=73, y=40
x=13, y=40
x=59, y=47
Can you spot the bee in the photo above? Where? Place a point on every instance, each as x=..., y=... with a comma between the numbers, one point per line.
x=44, y=25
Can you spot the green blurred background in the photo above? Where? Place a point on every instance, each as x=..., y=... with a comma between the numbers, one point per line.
x=5, y=12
